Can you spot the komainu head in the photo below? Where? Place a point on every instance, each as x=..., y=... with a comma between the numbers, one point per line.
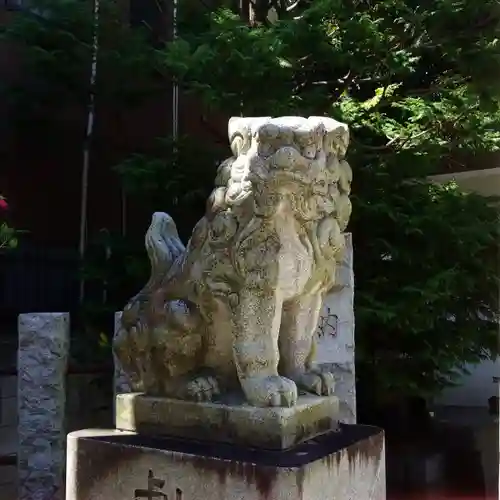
x=292, y=159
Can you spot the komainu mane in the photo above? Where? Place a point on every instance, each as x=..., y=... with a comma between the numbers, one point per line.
x=238, y=307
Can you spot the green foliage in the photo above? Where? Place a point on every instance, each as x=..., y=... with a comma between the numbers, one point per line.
x=417, y=84
x=172, y=179
x=177, y=177
x=114, y=269
x=57, y=42
x=8, y=235
x=415, y=81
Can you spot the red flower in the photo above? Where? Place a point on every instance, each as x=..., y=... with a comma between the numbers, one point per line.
x=3, y=204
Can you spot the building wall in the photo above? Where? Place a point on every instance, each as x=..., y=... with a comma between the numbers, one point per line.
x=483, y=381
x=485, y=181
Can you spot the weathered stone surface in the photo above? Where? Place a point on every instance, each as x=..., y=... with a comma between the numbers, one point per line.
x=335, y=335
x=121, y=383
x=110, y=465
x=42, y=361
x=270, y=428
x=239, y=306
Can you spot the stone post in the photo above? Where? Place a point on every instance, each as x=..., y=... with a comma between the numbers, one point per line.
x=120, y=381
x=42, y=363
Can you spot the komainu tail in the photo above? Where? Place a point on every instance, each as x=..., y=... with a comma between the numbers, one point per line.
x=164, y=247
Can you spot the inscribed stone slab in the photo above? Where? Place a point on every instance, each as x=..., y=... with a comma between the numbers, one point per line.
x=335, y=336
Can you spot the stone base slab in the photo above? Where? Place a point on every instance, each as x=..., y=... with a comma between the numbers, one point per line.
x=118, y=465
x=270, y=428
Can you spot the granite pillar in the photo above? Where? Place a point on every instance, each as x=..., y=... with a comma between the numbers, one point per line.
x=42, y=363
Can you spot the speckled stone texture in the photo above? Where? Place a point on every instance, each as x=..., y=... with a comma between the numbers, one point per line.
x=242, y=424
x=109, y=465
x=335, y=335
x=42, y=361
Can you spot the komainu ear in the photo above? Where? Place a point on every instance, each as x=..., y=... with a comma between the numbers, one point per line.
x=244, y=126
x=240, y=131
x=337, y=134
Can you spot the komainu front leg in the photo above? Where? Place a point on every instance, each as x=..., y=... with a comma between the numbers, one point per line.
x=256, y=330
x=296, y=343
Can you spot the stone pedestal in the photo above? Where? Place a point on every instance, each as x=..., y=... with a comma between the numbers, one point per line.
x=118, y=465
x=269, y=428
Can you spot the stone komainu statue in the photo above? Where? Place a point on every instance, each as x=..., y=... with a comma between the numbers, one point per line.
x=239, y=306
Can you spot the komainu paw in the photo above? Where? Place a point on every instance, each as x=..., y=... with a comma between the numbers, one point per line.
x=203, y=388
x=317, y=381
x=270, y=391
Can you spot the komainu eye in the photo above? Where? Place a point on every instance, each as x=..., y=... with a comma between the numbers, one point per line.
x=265, y=149
x=310, y=152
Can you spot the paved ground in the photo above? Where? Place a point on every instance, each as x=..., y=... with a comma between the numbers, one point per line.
x=439, y=495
